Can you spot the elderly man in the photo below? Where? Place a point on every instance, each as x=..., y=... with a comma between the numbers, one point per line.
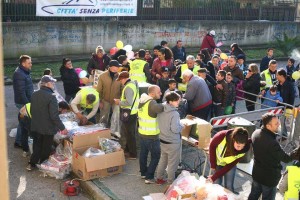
x=129, y=100
x=45, y=122
x=87, y=99
x=99, y=61
x=268, y=154
x=190, y=64
x=268, y=76
x=109, y=89
x=198, y=95
x=148, y=131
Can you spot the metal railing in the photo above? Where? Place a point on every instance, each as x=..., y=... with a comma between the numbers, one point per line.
x=281, y=10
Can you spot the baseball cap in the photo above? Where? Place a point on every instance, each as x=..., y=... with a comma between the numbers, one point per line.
x=123, y=75
x=47, y=79
x=212, y=32
x=164, y=69
x=114, y=63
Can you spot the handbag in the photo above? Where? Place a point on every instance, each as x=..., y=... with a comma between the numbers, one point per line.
x=125, y=112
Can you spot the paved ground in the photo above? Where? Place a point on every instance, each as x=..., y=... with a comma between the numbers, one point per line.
x=128, y=185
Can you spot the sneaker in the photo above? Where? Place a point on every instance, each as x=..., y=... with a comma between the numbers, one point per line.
x=143, y=177
x=16, y=145
x=25, y=154
x=160, y=181
x=149, y=181
x=30, y=167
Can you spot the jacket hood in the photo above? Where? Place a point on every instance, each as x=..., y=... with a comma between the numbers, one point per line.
x=168, y=107
x=144, y=98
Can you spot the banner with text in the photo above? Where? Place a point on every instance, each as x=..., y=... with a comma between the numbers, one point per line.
x=86, y=8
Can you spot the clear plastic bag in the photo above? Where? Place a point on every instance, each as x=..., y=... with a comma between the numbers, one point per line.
x=52, y=169
x=109, y=146
x=92, y=152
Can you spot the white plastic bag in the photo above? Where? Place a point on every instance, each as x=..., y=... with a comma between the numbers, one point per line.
x=13, y=132
x=115, y=121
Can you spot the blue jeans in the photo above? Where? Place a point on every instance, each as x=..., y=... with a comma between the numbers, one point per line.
x=152, y=146
x=268, y=193
x=18, y=139
x=228, y=178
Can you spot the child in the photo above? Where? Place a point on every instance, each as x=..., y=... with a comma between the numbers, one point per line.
x=183, y=105
x=273, y=94
x=231, y=91
x=170, y=138
x=172, y=87
x=163, y=82
x=220, y=96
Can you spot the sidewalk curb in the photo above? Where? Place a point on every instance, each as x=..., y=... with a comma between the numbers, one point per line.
x=95, y=193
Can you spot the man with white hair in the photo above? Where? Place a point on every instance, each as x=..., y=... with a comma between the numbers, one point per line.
x=197, y=95
x=190, y=64
x=208, y=42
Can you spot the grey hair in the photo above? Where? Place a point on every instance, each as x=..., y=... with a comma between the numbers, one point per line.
x=187, y=73
x=190, y=57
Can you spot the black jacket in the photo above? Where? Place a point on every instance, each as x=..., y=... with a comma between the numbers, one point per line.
x=267, y=157
x=44, y=112
x=94, y=64
x=23, y=86
x=252, y=85
x=70, y=80
x=287, y=92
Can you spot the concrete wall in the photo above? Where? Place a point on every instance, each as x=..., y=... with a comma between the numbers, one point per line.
x=61, y=38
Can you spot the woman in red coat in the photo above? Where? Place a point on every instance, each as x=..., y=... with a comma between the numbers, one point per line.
x=208, y=42
x=164, y=59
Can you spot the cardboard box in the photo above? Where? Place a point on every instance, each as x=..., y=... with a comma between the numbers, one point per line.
x=82, y=140
x=95, y=167
x=199, y=127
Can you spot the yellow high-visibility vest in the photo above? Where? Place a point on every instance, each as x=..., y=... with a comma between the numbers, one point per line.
x=220, y=151
x=86, y=91
x=137, y=71
x=147, y=125
x=136, y=96
x=293, y=183
x=182, y=86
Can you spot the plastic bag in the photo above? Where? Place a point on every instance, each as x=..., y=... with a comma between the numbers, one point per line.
x=115, y=120
x=109, y=146
x=13, y=132
x=54, y=170
x=92, y=152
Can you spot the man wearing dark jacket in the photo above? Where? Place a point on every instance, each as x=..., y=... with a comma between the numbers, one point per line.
x=23, y=88
x=179, y=51
x=99, y=60
x=268, y=154
x=45, y=122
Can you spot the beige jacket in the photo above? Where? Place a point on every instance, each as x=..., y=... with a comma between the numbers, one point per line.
x=109, y=89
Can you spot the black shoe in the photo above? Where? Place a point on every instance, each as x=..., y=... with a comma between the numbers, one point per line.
x=16, y=145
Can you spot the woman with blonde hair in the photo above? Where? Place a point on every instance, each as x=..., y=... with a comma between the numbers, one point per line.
x=251, y=84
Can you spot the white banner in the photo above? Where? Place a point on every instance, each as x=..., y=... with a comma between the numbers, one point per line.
x=86, y=8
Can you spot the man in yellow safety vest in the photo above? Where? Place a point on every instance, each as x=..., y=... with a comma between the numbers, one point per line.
x=148, y=131
x=139, y=69
x=129, y=100
x=190, y=64
x=87, y=99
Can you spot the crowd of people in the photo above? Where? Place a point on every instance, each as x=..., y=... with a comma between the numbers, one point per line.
x=206, y=85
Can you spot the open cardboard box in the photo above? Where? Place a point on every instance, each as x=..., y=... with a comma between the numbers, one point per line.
x=98, y=166
x=200, y=127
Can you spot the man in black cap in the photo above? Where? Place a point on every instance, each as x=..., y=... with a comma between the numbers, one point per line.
x=109, y=89
x=45, y=122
